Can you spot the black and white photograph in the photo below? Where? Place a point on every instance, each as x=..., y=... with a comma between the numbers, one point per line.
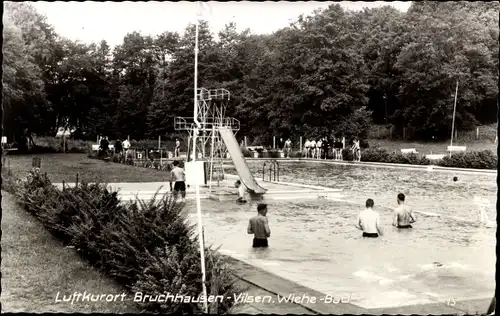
x=249, y=157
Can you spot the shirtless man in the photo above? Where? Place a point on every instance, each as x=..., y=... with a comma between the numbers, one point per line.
x=369, y=221
x=177, y=150
x=178, y=177
x=403, y=215
x=288, y=148
x=259, y=227
x=307, y=144
x=312, y=148
x=356, y=150
x=319, y=147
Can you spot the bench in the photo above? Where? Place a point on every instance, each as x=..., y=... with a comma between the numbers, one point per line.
x=456, y=148
x=255, y=148
x=409, y=151
x=435, y=156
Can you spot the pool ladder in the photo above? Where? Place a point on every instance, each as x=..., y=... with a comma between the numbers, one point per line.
x=274, y=170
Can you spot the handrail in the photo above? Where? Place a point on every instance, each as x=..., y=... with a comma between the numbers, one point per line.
x=274, y=170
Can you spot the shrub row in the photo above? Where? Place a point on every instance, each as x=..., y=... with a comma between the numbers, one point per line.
x=485, y=159
x=147, y=246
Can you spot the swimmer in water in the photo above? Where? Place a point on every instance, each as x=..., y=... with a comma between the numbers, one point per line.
x=259, y=227
x=403, y=215
x=369, y=221
x=483, y=219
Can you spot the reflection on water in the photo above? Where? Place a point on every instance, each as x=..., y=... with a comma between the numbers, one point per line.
x=315, y=244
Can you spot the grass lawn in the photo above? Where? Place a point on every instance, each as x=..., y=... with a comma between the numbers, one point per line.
x=36, y=266
x=434, y=147
x=61, y=167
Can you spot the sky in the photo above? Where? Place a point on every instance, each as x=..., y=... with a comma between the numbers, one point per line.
x=91, y=21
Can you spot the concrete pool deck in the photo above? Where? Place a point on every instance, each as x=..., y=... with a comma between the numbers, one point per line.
x=274, y=286
x=222, y=191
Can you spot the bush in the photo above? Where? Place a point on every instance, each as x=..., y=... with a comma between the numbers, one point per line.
x=374, y=155
x=55, y=144
x=147, y=246
x=246, y=153
x=485, y=159
x=296, y=154
x=347, y=155
x=272, y=153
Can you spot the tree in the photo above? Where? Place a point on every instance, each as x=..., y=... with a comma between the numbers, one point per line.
x=23, y=88
x=447, y=44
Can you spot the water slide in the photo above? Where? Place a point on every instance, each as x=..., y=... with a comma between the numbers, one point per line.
x=239, y=161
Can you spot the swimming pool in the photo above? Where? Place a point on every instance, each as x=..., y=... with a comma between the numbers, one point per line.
x=315, y=244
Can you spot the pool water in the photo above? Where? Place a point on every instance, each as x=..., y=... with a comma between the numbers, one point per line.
x=315, y=243
x=426, y=191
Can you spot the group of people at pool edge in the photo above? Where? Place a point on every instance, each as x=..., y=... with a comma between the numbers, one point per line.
x=323, y=148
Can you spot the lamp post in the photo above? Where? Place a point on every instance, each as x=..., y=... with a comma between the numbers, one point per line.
x=385, y=102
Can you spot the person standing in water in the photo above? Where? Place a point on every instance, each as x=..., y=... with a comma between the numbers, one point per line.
x=403, y=215
x=259, y=227
x=241, y=192
x=369, y=221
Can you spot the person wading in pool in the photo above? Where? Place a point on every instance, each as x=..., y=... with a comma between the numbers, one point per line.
x=259, y=227
x=241, y=192
x=369, y=221
x=403, y=215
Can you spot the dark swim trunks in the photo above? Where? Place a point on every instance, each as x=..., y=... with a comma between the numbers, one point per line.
x=180, y=186
x=259, y=243
x=405, y=226
x=371, y=235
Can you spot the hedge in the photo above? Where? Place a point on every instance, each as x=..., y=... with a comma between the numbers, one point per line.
x=147, y=246
x=485, y=159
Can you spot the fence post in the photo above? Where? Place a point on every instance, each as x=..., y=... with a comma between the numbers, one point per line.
x=159, y=142
x=245, y=142
x=274, y=142
x=300, y=142
x=477, y=133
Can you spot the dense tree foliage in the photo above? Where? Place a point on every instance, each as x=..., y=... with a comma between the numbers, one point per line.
x=335, y=71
